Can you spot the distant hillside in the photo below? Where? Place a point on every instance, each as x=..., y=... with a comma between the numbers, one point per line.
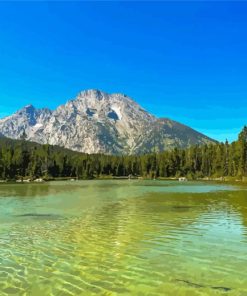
x=20, y=159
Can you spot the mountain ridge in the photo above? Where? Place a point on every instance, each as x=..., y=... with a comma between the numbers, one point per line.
x=98, y=122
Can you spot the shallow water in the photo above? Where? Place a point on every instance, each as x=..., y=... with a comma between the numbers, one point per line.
x=123, y=238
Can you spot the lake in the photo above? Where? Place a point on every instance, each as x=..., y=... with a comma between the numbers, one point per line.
x=121, y=237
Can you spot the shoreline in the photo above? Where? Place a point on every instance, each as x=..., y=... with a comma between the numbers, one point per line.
x=234, y=180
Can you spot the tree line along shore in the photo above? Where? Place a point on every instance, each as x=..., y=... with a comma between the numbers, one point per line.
x=22, y=160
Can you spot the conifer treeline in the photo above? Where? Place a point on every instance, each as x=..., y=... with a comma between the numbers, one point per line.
x=19, y=158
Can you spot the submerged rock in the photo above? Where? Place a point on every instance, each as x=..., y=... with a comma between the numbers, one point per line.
x=37, y=215
x=195, y=285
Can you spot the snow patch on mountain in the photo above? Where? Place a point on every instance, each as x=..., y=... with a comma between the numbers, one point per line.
x=117, y=110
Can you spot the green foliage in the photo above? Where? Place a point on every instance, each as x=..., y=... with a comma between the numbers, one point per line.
x=20, y=159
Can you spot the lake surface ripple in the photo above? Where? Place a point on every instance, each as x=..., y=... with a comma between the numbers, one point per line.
x=123, y=238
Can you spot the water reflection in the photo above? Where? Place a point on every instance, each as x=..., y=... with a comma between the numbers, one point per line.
x=123, y=238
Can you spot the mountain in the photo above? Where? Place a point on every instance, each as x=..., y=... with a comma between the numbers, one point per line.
x=97, y=122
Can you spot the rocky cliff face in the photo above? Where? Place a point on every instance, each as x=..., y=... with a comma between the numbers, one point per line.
x=97, y=122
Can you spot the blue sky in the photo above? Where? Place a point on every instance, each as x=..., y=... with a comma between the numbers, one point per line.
x=182, y=60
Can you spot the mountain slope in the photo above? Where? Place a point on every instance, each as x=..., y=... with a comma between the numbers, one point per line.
x=97, y=122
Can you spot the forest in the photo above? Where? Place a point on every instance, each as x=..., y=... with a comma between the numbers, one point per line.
x=23, y=159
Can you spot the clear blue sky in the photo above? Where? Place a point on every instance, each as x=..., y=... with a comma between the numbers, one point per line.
x=185, y=61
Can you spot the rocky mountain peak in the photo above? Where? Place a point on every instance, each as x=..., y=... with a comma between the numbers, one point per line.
x=27, y=112
x=98, y=122
x=92, y=93
x=27, y=109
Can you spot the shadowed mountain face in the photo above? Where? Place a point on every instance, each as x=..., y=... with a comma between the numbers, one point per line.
x=97, y=122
